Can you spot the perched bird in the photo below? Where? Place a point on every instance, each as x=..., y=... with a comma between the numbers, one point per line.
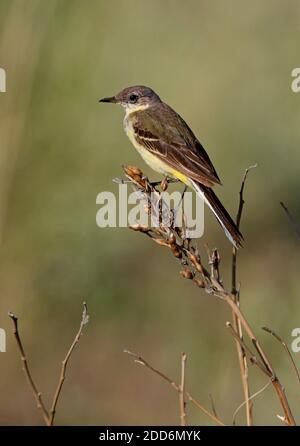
x=169, y=146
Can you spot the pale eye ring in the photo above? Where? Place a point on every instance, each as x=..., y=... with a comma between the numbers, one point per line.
x=133, y=98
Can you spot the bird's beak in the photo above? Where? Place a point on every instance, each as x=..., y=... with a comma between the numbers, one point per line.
x=112, y=100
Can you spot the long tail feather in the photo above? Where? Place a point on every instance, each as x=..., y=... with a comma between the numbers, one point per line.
x=228, y=225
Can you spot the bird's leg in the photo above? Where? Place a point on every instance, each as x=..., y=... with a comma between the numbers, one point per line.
x=164, y=182
x=182, y=195
x=174, y=211
x=155, y=183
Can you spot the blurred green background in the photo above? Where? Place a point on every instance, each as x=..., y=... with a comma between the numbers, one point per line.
x=226, y=68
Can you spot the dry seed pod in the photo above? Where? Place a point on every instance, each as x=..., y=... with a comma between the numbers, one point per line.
x=195, y=261
x=161, y=241
x=172, y=239
x=136, y=175
x=140, y=228
x=186, y=273
x=200, y=283
x=176, y=251
x=133, y=170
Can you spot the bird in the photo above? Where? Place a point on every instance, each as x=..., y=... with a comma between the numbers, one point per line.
x=169, y=146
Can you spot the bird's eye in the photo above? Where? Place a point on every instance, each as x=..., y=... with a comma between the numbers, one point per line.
x=133, y=98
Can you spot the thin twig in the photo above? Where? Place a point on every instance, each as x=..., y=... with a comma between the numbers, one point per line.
x=268, y=370
x=139, y=360
x=268, y=367
x=36, y=393
x=84, y=321
x=48, y=416
x=283, y=343
x=294, y=224
x=236, y=322
x=252, y=358
x=251, y=397
x=238, y=222
x=213, y=407
x=182, y=402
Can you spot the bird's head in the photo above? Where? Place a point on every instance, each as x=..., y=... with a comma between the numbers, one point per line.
x=134, y=98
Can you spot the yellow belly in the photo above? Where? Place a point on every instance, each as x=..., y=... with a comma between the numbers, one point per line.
x=152, y=160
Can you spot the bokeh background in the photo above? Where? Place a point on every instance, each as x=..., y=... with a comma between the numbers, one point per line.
x=226, y=67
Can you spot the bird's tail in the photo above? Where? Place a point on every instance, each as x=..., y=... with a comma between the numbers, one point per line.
x=228, y=225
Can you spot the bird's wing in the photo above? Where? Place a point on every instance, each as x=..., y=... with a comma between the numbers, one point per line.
x=173, y=142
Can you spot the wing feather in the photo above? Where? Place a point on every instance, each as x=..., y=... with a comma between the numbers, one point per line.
x=174, y=142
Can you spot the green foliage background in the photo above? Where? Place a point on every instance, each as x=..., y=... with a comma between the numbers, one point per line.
x=226, y=68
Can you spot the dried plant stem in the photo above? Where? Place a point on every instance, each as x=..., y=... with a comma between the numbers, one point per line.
x=252, y=357
x=140, y=360
x=284, y=344
x=233, y=305
x=244, y=371
x=210, y=280
x=36, y=393
x=236, y=322
x=182, y=402
x=84, y=321
x=213, y=407
x=252, y=397
x=267, y=369
x=48, y=416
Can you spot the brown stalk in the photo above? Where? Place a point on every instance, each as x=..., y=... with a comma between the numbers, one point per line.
x=268, y=369
x=236, y=322
x=254, y=395
x=47, y=416
x=213, y=407
x=252, y=358
x=284, y=344
x=37, y=395
x=182, y=402
x=140, y=360
x=84, y=321
x=211, y=282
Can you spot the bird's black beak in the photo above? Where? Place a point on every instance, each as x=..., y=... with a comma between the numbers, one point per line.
x=112, y=100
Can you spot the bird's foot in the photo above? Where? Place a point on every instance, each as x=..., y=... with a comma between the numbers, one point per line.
x=164, y=183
